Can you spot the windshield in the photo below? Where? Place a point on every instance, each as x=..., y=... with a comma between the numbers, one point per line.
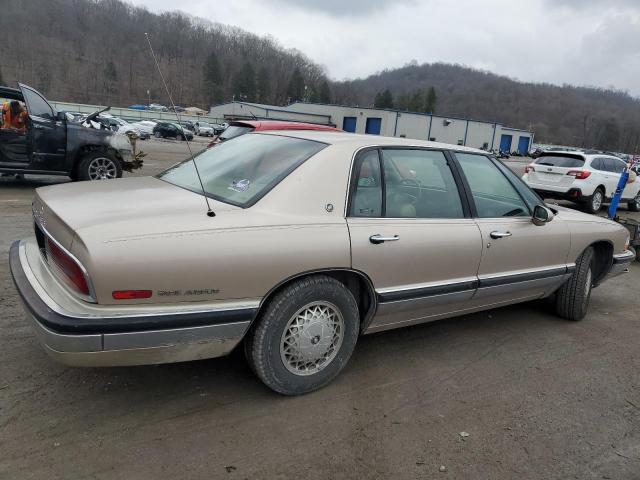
x=243, y=171
x=558, y=161
x=234, y=131
x=204, y=125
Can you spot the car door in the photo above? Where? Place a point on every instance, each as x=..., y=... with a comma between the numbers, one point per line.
x=520, y=260
x=412, y=234
x=46, y=134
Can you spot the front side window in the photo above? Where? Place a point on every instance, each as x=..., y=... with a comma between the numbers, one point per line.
x=243, y=171
x=36, y=105
x=493, y=194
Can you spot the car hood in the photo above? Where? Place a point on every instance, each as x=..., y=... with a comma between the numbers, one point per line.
x=571, y=215
x=121, y=208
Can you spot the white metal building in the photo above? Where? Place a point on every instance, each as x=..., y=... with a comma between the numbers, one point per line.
x=392, y=123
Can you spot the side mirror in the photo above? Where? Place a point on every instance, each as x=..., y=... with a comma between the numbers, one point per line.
x=61, y=116
x=541, y=215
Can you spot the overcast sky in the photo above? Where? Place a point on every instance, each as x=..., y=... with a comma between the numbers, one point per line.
x=583, y=42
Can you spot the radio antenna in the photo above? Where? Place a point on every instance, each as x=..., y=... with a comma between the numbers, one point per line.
x=210, y=213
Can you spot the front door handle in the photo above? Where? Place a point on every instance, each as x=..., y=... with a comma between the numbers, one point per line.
x=496, y=235
x=38, y=127
x=377, y=239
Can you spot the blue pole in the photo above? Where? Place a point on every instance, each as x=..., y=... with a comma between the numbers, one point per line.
x=613, y=208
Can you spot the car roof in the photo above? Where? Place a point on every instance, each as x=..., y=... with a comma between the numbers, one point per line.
x=263, y=125
x=360, y=140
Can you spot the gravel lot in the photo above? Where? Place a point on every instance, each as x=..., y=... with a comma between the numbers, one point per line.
x=539, y=397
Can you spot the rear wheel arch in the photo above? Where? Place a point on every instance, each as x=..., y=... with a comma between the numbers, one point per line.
x=358, y=283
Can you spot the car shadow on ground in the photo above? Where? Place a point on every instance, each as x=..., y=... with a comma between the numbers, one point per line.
x=229, y=379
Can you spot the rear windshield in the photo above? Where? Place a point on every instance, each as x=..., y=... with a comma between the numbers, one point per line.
x=565, y=162
x=234, y=131
x=243, y=171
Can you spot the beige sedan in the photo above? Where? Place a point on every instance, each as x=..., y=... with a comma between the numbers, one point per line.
x=313, y=239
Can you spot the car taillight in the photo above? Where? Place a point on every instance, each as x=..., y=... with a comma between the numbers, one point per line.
x=579, y=174
x=529, y=169
x=131, y=294
x=67, y=268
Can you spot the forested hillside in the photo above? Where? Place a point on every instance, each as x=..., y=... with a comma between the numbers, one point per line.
x=567, y=115
x=94, y=51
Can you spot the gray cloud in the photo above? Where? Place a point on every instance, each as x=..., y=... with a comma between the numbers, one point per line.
x=340, y=8
x=594, y=4
x=580, y=42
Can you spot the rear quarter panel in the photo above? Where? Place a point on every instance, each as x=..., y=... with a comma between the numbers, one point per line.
x=240, y=254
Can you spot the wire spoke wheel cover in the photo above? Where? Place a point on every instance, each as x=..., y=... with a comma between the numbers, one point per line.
x=102, y=168
x=312, y=338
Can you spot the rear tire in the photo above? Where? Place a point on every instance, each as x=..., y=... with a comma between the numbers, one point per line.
x=157, y=135
x=572, y=299
x=595, y=201
x=634, y=205
x=99, y=165
x=305, y=336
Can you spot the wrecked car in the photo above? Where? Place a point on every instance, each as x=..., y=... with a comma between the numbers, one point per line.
x=309, y=240
x=54, y=143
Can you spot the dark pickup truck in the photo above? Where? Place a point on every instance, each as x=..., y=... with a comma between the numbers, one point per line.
x=55, y=144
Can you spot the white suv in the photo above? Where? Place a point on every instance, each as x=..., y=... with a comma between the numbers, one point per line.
x=586, y=178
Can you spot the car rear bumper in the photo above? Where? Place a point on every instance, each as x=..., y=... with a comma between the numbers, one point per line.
x=621, y=263
x=92, y=340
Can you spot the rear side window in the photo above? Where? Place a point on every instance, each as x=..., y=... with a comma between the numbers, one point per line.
x=598, y=164
x=493, y=194
x=564, y=162
x=412, y=184
x=419, y=184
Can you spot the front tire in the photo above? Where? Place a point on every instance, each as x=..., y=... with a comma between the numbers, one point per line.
x=595, y=201
x=305, y=336
x=634, y=205
x=572, y=299
x=99, y=165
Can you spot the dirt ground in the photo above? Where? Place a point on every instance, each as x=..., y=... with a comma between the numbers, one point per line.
x=540, y=397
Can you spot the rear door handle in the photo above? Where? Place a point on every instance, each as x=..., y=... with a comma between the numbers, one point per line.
x=496, y=235
x=377, y=239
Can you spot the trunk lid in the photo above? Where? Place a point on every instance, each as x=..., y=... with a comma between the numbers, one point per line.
x=118, y=208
